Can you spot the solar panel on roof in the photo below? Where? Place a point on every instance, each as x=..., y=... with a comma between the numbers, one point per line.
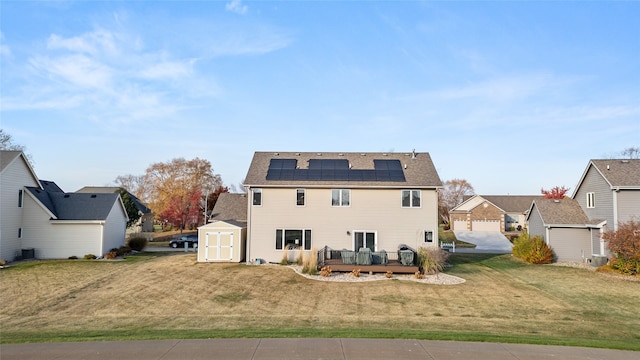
x=334, y=170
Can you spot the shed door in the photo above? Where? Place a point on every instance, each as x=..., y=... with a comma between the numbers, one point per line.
x=219, y=246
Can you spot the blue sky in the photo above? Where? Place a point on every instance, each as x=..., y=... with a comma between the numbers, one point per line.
x=512, y=96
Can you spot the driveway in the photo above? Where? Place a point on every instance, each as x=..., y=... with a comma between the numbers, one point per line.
x=485, y=241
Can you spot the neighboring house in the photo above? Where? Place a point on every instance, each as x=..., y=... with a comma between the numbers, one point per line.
x=491, y=213
x=144, y=223
x=607, y=194
x=610, y=190
x=39, y=220
x=348, y=201
x=15, y=174
x=224, y=238
x=566, y=229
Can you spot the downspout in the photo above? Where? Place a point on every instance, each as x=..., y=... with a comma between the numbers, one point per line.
x=615, y=208
x=248, y=245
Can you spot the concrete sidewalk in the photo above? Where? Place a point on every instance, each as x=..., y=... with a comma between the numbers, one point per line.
x=350, y=349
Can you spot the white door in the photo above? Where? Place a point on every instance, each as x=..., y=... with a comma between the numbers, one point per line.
x=219, y=246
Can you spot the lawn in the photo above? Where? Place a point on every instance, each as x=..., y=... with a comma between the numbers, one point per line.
x=154, y=296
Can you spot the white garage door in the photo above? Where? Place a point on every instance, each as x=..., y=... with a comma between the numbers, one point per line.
x=485, y=225
x=219, y=246
x=460, y=225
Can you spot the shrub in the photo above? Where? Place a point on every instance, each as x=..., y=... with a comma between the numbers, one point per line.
x=285, y=256
x=310, y=263
x=389, y=274
x=418, y=275
x=111, y=255
x=73, y=257
x=432, y=260
x=300, y=258
x=325, y=271
x=137, y=243
x=532, y=249
x=355, y=273
x=123, y=250
x=90, y=257
x=624, y=244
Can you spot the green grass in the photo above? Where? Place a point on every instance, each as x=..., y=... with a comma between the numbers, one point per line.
x=448, y=236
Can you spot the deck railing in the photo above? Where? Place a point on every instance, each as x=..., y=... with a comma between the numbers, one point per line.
x=326, y=254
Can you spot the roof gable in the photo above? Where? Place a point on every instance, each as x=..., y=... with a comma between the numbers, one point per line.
x=8, y=158
x=617, y=173
x=352, y=169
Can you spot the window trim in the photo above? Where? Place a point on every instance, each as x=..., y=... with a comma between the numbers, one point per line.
x=281, y=236
x=341, y=202
x=20, y=198
x=253, y=196
x=411, y=198
x=364, y=239
x=304, y=197
x=591, y=200
x=426, y=241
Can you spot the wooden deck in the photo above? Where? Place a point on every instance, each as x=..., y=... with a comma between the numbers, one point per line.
x=394, y=266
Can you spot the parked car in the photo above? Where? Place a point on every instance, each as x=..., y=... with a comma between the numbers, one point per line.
x=191, y=240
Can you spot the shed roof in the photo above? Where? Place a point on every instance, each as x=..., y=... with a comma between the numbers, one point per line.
x=230, y=207
x=417, y=168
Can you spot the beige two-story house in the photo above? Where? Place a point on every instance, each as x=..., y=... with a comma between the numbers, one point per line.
x=348, y=201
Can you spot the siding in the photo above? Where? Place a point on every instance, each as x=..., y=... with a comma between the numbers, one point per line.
x=628, y=205
x=114, y=229
x=13, y=178
x=594, y=182
x=375, y=210
x=570, y=244
x=57, y=240
x=536, y=225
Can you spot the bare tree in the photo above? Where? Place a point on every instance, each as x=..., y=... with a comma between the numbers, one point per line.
x=6, y=143
x=631, y=152
x=451, y=195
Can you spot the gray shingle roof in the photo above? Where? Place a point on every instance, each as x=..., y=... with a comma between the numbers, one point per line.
x=419, y=171
x=230, y=207
x=512, y=203
x=566, y=211
x=620, y=172
x=112, y=190
x=76, y=206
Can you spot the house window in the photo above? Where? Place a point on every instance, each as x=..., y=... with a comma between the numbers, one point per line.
x=20, y=195
x=340, y=197
x=364, y=239
x=428, y=236
x=300, y=197
x=19, y=233
x=591, y=200
x=411, y=198
x=257, y=197
x=293, y=239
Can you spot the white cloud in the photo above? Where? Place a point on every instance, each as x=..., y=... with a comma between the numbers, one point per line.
x=236, y=6
x=168, y=69
x=75, y=69
x=94, y=43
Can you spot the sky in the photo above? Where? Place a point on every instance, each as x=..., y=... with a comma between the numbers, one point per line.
x=512, y=96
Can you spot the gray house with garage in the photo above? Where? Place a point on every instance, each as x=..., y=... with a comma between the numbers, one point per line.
x=607, y=194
